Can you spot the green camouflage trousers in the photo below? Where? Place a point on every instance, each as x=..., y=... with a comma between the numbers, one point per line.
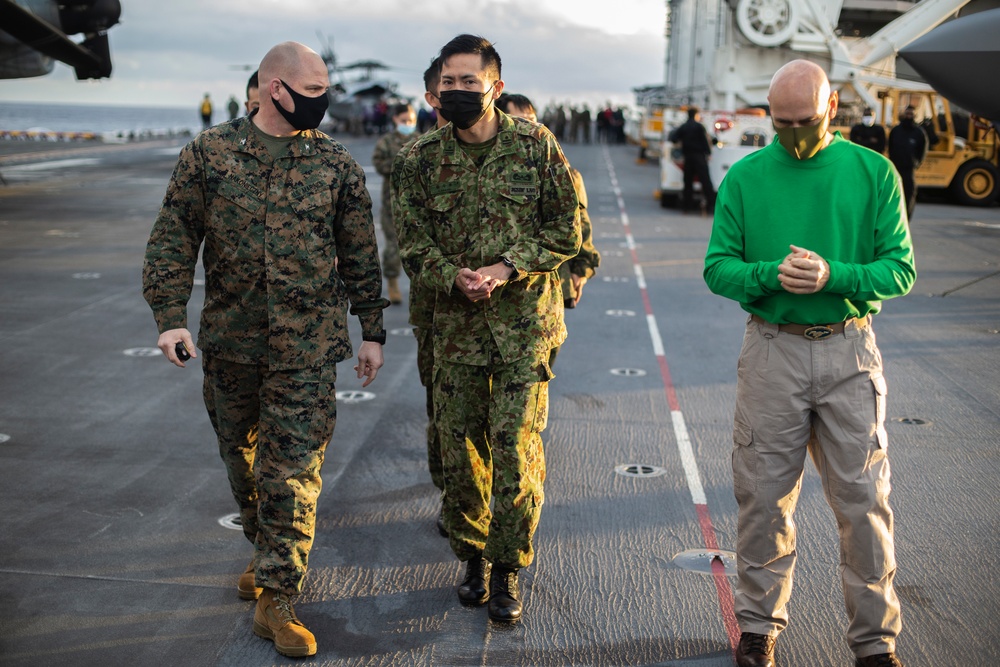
x=391, y=264
x=425, y=368
x=490, y=420
x=275, y=480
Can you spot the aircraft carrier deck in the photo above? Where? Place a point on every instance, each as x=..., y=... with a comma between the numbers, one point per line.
x=116, y=541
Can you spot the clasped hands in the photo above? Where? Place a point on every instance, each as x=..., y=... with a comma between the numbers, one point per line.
x=478, y=285
x=803, y=271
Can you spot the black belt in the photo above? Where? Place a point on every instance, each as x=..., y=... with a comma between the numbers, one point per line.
x=814, y=331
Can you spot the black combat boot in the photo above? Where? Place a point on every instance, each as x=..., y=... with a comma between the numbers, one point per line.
x=755, y=650
x=504, y=607
x=474, y=590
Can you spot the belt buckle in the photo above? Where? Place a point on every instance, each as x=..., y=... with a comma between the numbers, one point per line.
x=818, y=332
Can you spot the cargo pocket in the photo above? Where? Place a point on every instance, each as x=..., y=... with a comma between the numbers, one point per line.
x=744, y=460
x=881, y=390
x=541, y=389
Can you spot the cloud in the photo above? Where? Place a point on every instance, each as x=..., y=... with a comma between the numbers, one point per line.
x=170, y=53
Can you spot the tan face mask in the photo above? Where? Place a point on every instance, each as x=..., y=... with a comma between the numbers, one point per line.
x=804, y=142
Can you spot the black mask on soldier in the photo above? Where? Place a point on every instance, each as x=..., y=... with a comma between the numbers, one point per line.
x=463, y=108
x=309, y=111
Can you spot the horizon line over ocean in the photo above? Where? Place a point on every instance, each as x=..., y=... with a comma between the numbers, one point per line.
x=102, y=118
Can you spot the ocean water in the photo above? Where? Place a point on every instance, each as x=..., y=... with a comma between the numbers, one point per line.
x=22, y=116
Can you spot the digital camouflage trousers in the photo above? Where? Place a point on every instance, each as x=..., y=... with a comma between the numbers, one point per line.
x=275, y=477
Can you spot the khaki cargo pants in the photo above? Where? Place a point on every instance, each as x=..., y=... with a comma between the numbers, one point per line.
x=826, y=397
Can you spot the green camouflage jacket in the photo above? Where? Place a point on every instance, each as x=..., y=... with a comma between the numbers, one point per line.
x=421, y=304
x=519, y=204
x=386, y=150
x=588, y=259
x=272, y=231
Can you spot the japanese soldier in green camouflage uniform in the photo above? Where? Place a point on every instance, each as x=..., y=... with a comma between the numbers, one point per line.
x=487, y=214
x=274, y=204
x=575, y=273
x=422, y=310
x=404, y=120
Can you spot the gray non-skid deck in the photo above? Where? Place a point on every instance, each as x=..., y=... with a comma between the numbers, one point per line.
x=113, y=499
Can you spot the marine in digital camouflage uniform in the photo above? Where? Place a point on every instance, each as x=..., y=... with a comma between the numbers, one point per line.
x=488, y=212
x=386, y=149
x=273, y=213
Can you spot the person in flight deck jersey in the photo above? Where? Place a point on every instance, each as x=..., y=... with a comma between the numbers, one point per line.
x=810, y=236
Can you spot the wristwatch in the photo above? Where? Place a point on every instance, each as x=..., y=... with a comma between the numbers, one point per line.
x=506, y=262
x=375, y=338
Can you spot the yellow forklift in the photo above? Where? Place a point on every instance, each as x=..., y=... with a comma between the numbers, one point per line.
x=963, y=155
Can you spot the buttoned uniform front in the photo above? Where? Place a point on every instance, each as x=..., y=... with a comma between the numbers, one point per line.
x=274, y=320
x=490, y=357
x=824, y=395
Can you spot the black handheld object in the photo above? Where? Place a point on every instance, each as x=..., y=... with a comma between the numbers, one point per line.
x=181, y=351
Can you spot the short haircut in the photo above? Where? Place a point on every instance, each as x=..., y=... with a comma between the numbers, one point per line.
x=254, y=82
x=506, y=101
x=477, y=45
x=432, y=76
x=692, y=112
x=397, y=109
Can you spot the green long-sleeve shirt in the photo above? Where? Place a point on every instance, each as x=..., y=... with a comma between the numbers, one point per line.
x=845, y=204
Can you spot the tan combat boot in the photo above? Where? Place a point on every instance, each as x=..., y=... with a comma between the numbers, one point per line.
x=275, y=619
x=395, y=296
x=247, y=587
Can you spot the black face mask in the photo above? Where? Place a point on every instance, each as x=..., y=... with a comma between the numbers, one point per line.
x=463, y=108
x=309, y=111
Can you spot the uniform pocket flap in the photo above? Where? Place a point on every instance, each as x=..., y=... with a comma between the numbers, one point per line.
x=443, y=202
x=306, y=199
x=742, y=434
x=239, y=196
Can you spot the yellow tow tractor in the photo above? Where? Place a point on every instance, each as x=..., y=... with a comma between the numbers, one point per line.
x=964, y=159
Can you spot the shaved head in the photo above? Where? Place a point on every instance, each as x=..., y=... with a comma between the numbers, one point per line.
x=799, y=92
x=289, y=66
x=802, y=108
x=283, y=60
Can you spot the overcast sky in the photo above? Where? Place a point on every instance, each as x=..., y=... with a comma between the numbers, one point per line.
x=170, y=52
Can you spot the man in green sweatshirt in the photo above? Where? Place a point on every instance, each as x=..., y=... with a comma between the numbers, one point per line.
x=810, y=235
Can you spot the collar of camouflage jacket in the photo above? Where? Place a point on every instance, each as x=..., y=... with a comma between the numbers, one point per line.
x=304, y=144
x=452, y=153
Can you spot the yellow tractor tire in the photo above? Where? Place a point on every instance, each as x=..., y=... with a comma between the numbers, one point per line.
x=977, y=183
